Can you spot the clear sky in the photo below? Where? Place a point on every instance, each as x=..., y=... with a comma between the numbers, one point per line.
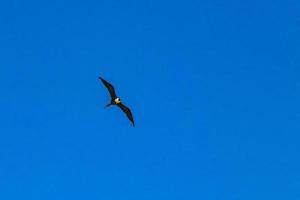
x=214, y=87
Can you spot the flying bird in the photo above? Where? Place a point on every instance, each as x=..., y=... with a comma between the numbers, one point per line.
x=116, y=100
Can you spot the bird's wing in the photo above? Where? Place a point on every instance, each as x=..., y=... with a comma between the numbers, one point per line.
x=109, y=87
x=127, y=112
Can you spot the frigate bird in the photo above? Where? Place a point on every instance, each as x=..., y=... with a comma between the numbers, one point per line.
x=116, y=100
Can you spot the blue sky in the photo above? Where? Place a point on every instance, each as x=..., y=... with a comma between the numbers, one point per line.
x=213, y=85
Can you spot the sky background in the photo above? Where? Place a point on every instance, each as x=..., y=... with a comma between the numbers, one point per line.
x=213, y=85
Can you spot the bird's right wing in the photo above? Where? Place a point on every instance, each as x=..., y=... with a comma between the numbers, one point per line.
x=109, y=87
x=127, y=112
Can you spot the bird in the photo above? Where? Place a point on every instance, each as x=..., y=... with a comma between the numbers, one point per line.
x=116, y=101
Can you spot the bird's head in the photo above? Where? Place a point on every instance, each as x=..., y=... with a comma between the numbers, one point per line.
x=118, y=100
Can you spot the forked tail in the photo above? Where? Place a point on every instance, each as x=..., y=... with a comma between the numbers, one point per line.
x=108, y=105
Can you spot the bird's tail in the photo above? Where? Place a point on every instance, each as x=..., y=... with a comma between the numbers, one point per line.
x=108, y=105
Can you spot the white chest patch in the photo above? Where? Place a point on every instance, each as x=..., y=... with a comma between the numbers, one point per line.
x=117, y=100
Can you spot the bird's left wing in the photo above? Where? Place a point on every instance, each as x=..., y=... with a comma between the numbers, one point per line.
x=127, y=112
x=110, y=88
